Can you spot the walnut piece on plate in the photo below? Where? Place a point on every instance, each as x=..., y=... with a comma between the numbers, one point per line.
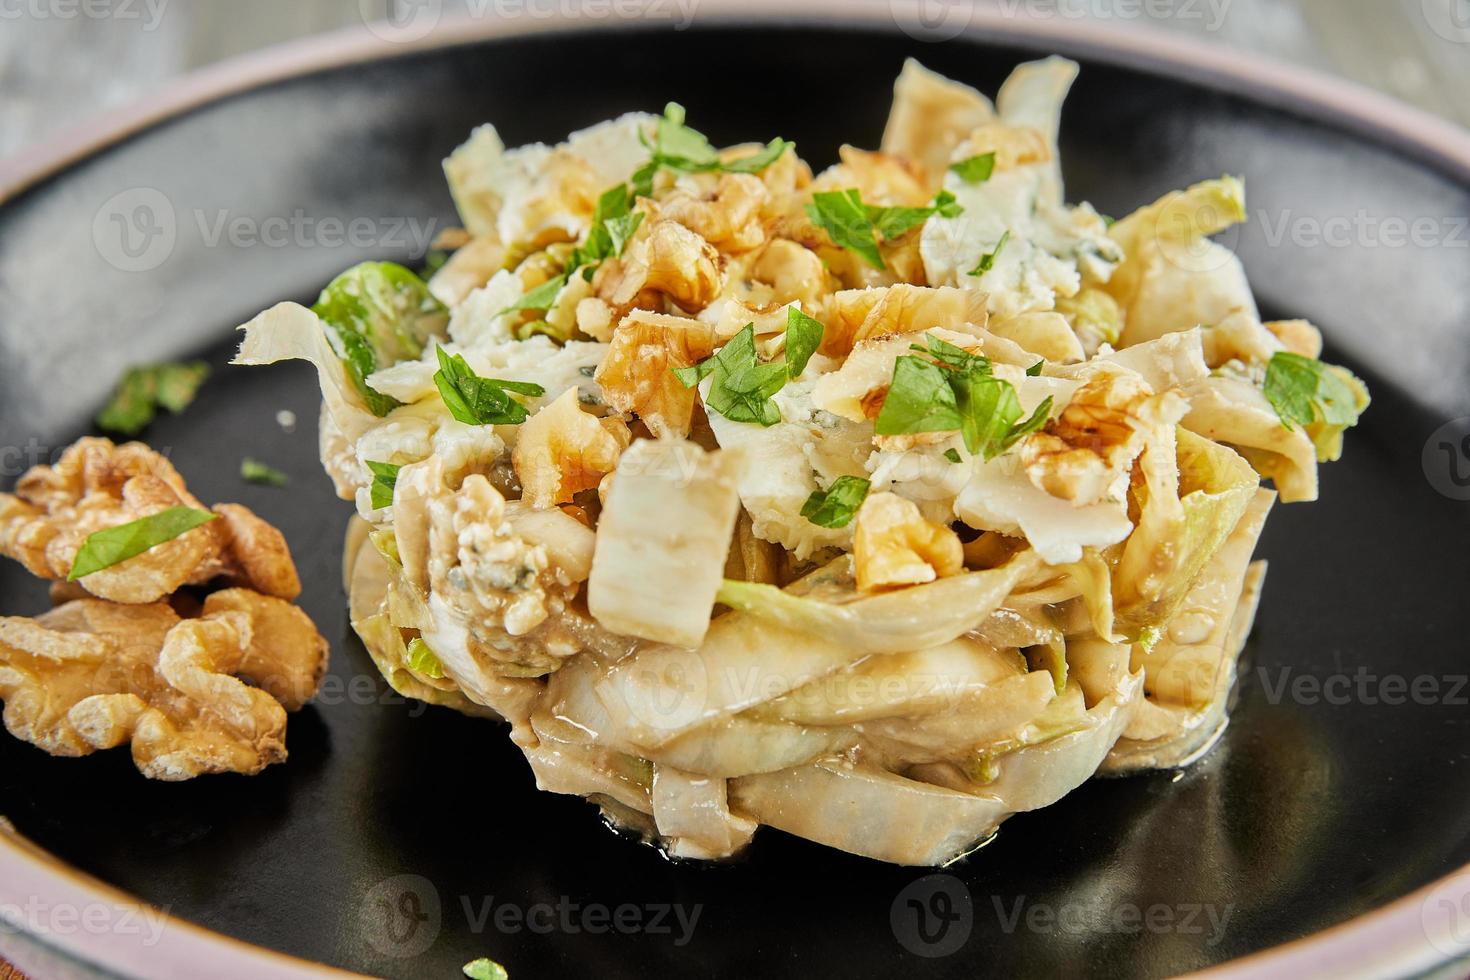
x=97, y=485
x=192, y=696
x=196, y=683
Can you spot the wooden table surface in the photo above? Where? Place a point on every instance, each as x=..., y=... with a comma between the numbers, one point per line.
x=57, y=70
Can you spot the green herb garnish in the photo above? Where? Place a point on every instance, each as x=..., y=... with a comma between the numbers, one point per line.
x=485, y=969
x=956, y=392
x=539, y=298
x=740, y=387
x=803, y=337
x=1303, y=391
x=144, y=390
x=858, y=227
x=987, y=261
x=953, y=455
x=1034, y=371
x=836, y=506
x=1325, y=400
x=976, y=169
x=613, y=223
x=686, y=150
x=474, y=400
x=114, y=545
x=385, y=480
x=254, y=471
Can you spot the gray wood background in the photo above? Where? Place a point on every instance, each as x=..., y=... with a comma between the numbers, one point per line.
x=64, y=60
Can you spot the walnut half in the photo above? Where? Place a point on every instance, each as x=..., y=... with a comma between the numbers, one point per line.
x=97, y=485
x=893, y=545
x=192, y=696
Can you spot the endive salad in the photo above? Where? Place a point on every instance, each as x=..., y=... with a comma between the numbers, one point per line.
x=875, y=505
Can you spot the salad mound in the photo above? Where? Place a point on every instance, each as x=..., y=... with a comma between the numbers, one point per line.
x=876, y=504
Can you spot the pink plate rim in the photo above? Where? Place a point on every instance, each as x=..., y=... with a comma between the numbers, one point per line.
x=1399, y=939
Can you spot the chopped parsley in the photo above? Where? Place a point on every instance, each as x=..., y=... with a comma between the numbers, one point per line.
x=613, y=223
x=803, y=337
x=1034, y=371
x=953, y=455
x=146, y=389
x=976, y=169
x=956, y=391
x=485, y=969
x=1304, y=391
x=385, y=480
x=836, y=506
x=742, y=386
x=987, y=261
x=539, y=298
x=675, y=146
x=859, y=227
x=114, y=545
x=474, y=400
x=254, y=471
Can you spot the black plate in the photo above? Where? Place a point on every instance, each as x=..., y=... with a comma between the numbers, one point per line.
x=1313, y=810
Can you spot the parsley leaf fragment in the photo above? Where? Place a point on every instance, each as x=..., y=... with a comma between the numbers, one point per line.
x=254, y=471
x=740, y=387
x=146, y=389
x=114, y=545
x=836, y=506
x=539, y=298
x=803, y=337
x=485, y=969
x=858, y=227
x=842, y=215
x=474, y=400
x=956, y=391
x=976, y=169
x=987, y=261
x=678, y=147
x=1302, y=390
x=613, y=223
x=385, y=480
